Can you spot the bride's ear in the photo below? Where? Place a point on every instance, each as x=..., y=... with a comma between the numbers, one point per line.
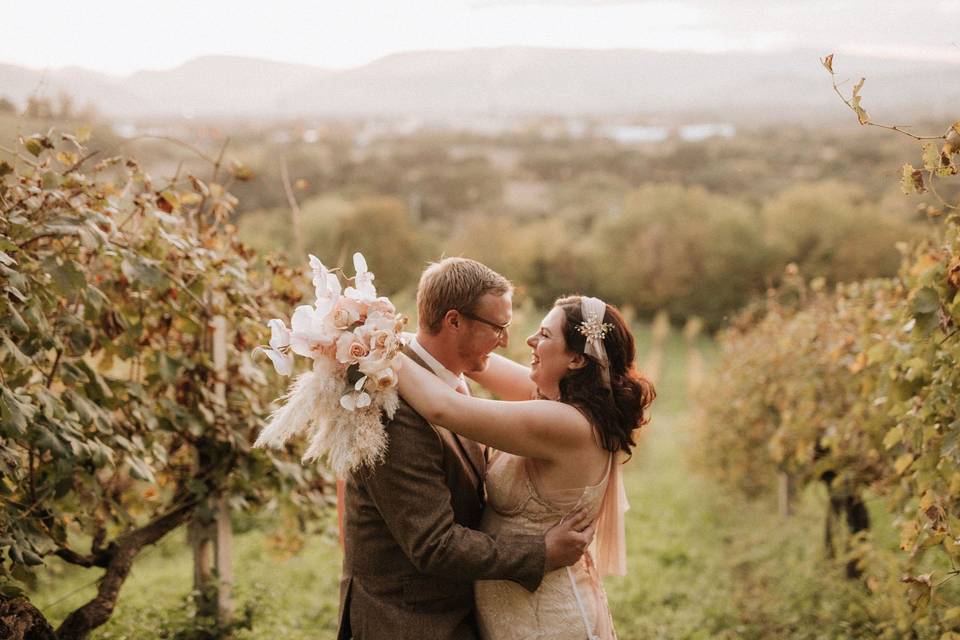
x=577, y=361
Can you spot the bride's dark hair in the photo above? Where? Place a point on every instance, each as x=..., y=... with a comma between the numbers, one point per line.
x=616, y=412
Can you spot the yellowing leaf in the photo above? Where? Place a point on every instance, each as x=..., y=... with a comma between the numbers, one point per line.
x=84, y=132
x=172, y=199
x=908, y=535
x=931, y=156
x=827, y=62
x=893, y=437
x=859, y=363
x=911, y=180
x=855, y=101
x=953, y=270
x=67, y=158
x=33, y=146
x=902, y=463
x=951, y=547
x=189, y=198
x=924, y=263
x=918, y=590
x=955, y=482
x=240, y=171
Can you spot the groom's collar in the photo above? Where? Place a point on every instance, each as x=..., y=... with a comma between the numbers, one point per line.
x=451, y=379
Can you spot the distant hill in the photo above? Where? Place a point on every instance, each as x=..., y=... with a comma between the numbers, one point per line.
x=510, y=81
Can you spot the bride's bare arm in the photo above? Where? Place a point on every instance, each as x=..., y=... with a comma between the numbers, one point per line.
x=506, y=378
x=540, y=429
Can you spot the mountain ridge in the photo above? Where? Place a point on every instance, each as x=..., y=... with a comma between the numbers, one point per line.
x=503, y=82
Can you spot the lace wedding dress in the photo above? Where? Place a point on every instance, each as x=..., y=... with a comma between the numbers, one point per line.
x=570, y=603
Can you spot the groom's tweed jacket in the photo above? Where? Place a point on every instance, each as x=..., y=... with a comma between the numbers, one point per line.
x=411, y=551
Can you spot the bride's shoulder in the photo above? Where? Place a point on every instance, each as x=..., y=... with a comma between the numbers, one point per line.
x=566, y=416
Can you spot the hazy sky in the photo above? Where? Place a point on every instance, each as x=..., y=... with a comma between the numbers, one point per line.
x=118, y=37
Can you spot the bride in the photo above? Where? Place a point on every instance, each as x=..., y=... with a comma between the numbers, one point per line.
x=559, y=435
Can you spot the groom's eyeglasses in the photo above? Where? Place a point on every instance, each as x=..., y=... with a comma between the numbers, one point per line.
x=500, y=329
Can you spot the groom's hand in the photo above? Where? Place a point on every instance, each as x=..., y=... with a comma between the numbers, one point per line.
x=567, y=541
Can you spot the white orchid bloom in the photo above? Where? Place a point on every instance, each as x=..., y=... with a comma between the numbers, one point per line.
x=363, y=289
x=279, y=334
x=326, y=285
x=311, y=332
x=279, y=351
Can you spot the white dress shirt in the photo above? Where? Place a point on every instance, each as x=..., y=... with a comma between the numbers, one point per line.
x=458, y=383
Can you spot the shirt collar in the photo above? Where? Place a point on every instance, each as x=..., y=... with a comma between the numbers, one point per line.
x=449, y=378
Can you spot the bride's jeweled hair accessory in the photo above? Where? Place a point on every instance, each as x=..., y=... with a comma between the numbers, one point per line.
x=595, y=330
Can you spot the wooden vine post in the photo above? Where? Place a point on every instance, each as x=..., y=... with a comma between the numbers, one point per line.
x=660, y=331
x=695, y=364
x=212, y=538
x=785, y=491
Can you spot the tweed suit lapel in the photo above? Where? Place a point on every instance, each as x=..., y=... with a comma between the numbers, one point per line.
x=467, y=452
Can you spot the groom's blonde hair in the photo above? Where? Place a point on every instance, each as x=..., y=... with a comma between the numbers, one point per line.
x=455, y=283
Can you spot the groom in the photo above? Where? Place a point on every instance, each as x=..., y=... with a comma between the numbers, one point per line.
x=411, y=548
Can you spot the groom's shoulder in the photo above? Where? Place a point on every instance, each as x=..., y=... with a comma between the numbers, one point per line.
x=409, y=436
x=405, y=415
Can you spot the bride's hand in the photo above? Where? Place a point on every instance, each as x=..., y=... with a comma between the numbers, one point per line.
x=567, y=540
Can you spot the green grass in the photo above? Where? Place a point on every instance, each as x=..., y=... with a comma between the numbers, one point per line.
x=703, y=562
x=292, y=596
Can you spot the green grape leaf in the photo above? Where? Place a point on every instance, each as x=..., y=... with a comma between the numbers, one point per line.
x=925, y=300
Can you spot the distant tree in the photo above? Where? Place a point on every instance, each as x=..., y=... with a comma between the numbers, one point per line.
x=683, y=250
x=381, y=228
x=812, y=225
x=89, y=113
x=65, y=111
x=39, y=108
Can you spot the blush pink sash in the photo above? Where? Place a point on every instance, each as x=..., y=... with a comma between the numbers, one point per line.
x=609, y=543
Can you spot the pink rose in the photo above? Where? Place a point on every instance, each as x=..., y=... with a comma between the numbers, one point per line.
x=346, y=313
x=384, y=378
x=384, y=342
x=383, y=306
x=350, y=350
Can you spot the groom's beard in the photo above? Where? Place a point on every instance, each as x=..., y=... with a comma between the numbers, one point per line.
x=473, y=361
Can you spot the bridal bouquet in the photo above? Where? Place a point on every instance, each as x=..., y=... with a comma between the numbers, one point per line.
x=354, y=339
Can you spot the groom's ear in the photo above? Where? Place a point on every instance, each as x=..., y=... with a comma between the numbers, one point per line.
x=452, y=318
